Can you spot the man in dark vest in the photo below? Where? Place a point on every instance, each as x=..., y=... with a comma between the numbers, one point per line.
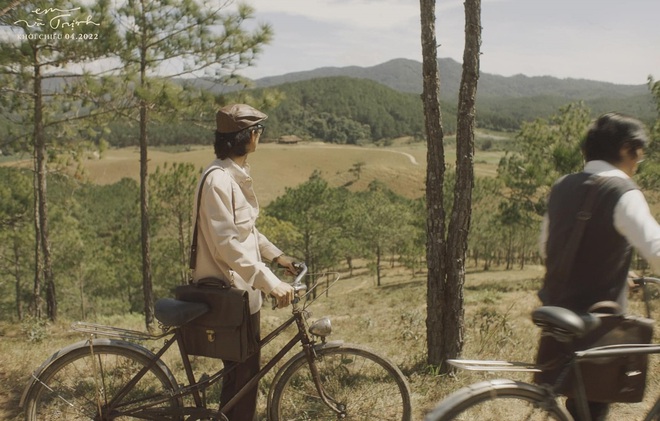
x=620, y=220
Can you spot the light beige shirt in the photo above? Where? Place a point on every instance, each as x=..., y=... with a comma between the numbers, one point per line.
x=229, y=246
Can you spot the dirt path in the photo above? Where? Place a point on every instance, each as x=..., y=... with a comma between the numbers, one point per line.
x=315, y=145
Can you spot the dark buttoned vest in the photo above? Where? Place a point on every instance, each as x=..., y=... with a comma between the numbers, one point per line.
x=602, y=260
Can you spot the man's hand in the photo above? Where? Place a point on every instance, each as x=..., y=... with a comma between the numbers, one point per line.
x=632, y=287
x=287, y=263
x=284, y=294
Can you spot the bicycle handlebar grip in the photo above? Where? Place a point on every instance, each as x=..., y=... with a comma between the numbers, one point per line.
x=297, y=285
x=274, y=301
x=644, y=280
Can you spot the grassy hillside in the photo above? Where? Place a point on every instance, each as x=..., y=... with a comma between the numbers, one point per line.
x=276, y=166
x=389, y=319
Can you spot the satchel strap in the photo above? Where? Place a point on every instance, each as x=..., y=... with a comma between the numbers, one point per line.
x=582, y=218
x=193, y=245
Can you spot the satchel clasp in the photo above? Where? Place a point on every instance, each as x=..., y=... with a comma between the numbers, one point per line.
x=210, y=335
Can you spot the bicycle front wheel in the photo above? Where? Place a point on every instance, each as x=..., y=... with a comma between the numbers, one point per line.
x=359, y=385
x=94, y=384
x=498, y=400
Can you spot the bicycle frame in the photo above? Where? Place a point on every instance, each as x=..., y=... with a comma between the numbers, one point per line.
x=195, y=387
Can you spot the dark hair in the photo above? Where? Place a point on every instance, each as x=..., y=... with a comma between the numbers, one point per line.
x=609, y=133
x=232, y=144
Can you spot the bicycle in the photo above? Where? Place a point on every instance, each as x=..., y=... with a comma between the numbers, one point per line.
x=112, y=378
x=503, y=399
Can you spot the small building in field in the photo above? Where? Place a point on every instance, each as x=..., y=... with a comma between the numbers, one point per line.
x=291, y=139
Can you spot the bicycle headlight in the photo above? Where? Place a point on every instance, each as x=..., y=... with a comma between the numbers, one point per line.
x=322, y=327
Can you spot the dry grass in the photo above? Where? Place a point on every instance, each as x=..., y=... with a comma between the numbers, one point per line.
x=389, y=319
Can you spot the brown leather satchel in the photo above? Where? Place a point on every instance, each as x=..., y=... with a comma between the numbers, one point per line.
x=615, y=379
x=226, y=330
x=605, y=379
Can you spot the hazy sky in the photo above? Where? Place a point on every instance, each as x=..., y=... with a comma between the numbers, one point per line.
x=606, y=40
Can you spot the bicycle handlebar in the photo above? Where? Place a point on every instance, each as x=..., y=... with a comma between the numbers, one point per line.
x=643, y=280
x=643, y=283
x=302, y=271
x=297, y=283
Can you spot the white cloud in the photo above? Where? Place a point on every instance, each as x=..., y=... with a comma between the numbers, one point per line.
x=366, y=14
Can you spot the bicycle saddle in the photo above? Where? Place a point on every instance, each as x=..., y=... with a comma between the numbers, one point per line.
x=171, y=312
x=561, y=321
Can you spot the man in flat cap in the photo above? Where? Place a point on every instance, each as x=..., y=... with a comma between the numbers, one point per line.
x=229, y=246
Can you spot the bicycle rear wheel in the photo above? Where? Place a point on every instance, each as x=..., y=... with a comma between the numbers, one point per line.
x=81, y=384
x=363, y=385
x=498, y=400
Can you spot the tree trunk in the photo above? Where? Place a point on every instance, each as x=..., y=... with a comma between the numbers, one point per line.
x=459, y=225
x=183, y=250
x=17, y=275
x=349, y=262
x=435, y=173
x=41, y=193
x=378, y=274
x=81, y=291
x=38, y=265
x=147, y=284
x=446, y=259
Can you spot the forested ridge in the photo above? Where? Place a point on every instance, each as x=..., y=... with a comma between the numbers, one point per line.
x=348, y=110
x=356, y=109
x=345, y=110
x=379, y=95
x=500, y=106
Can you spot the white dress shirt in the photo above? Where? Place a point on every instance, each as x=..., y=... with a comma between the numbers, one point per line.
x=632, y=218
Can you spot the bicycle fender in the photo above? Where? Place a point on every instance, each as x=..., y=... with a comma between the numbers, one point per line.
x=85, y=344
x=537, y=393
x=301, y=354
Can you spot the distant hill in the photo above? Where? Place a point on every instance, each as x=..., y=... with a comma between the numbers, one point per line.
x=340, y=108
x=405, y=75
x=503, y=102
x=400, y=74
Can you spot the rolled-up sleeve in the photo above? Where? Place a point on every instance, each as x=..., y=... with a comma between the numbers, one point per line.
x=633, y=220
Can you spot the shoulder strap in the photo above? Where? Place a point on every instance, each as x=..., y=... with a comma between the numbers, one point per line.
x=581, y=221
x=193, y=246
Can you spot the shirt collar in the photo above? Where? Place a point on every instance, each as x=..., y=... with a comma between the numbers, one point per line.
x=237, y=172
x=604, y=168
